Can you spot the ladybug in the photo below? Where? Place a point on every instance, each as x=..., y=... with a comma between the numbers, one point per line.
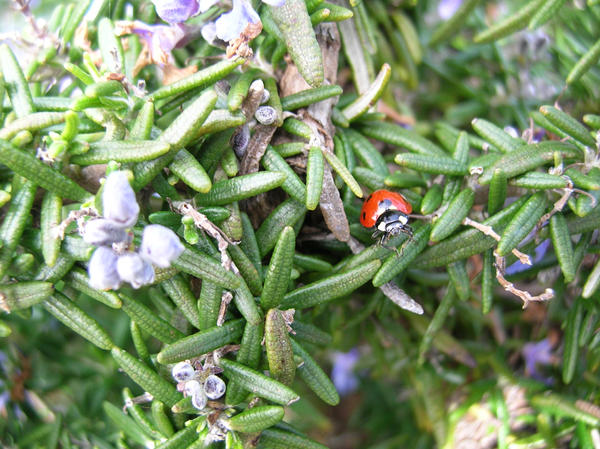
x=387, y=212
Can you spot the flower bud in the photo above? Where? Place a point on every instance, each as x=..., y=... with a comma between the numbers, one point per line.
x=175, y=11
x=135, y=270
x=102, y=269
x=183, y=371
x=265, y=97
x=103, y=232
x=447, y=8
x=274, y=2
x=118, y=200
x=266, y=115
x=199, y=400
x=214, y=387
x=240, y=140
x=194, y=390
x=191, y=387
x=160, y=245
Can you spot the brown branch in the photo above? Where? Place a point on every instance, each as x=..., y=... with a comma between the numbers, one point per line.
x=256, y=148
x=75, y=215
x=202, y=222
x=489, y=231
x=509, y=286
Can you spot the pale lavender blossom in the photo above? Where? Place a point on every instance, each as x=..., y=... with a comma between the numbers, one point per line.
x=4, y=400
x=512, y=131
x=537, y=354
x=176, y=11
x=103, y=232
x=118, y=200
x=447, y=8
x=231, y=24
x=160, y=39
x=108, y=268
x=342, y=373
x=102, y=269
x=135, y=270
x=160, y=245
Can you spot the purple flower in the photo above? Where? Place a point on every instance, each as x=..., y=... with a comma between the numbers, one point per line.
x=118, y=200
x=447, y=8
x=158, y=40
x=230, y=25
x=102, y=269
x=160, y=245
x=4, y=400
x=176, y=11
x=110, y=266
x=103, y=232
x=537, y=354
x=342, y=374
x=135, y=270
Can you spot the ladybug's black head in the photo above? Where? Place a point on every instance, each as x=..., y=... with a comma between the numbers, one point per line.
x=392, y=222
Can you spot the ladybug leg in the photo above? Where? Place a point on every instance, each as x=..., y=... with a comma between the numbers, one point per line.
x=408, y=231
x=376, y=234
x=384, y=239
x=393, y=248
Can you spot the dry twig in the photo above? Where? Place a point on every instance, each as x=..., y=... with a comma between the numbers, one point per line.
x=202, y=222
x=74, y=215
x=489, y=231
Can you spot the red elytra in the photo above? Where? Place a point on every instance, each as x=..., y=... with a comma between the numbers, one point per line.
x=380, y=202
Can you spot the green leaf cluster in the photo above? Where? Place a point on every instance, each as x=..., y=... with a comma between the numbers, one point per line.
x=488, y=128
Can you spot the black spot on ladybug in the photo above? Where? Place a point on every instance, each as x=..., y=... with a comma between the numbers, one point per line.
x=364, y=216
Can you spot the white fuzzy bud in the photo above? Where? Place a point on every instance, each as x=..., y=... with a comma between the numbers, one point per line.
x=103, y=232
x=135, y=270
x=266, y=96
x=240, y=140
x=194, y=390
x=183, y=371
x=102, y=269
x=214, y=387
x=266, y=115
x=160, y=245
x=118, y=200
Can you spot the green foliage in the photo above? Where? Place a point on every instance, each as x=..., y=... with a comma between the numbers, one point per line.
x=477, y=120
